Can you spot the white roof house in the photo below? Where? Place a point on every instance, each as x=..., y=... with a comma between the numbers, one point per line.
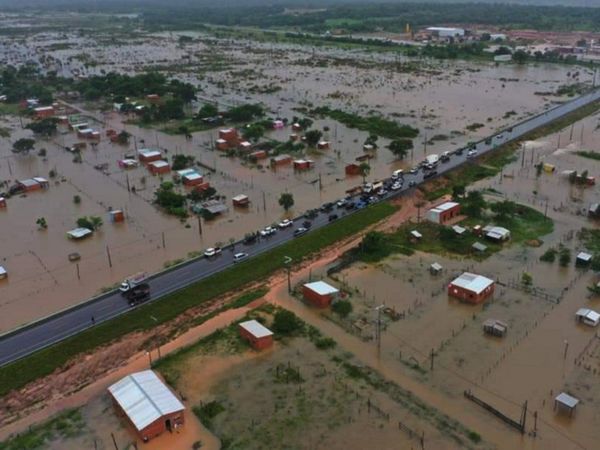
x=436, y=213
x=472, y=282
x=497, y=233
x=416, y=234
x=158, y=164
x=144, y=398
x=3, y=273
x=321, y=288
x=256, y=329
x=584, y=257
x=588, y=316
x=79, y=233
x=148, y=153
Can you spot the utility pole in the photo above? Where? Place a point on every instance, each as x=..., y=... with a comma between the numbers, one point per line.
x=264, y=201
x=546, y=209
x=200, y=225
x=571, y=134
x=432, y=356
x=378, y=327
x=78, y=276
x=108, y=254
x=566, y=349
x=287, y=261
x=522, y=155
x=163, y=239
x=582, y=127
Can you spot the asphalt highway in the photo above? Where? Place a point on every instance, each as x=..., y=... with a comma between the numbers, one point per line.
x=32, y=337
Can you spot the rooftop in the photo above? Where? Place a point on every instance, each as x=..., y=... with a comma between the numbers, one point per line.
x=79, y=233
x=473, y=282
x=144, y=398
x=566, y=400
x=444, y=206
x=321, y=288
x=256, y=329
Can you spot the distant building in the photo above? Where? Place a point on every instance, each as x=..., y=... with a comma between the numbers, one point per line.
x=159, y=167
x=498, y=234
x=319, y=293
x=259, y=336
x=148, y=404
x=241, y=200
x=444, y=212
x=44, y=112
x=588, y=317
x=471, y=288
x=147, y=155
x=445, y=32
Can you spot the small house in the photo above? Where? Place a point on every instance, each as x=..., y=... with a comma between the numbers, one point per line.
x=222, y=144
x=588, y=317
x=564, y=401
x=43, y=182
x=495, y=327
x=127, y=163
x=29, y=185
x=583, y=259
x=352, y=169
x=444, y=212
x=281, y=160
x=43, y=112
x=459, y=230
x=245, y=146
x=116, y=215
x=296, y=127
x=159, y=167
x=147, y=155
x=294, y=137
x=479, y=247
x=259, y=336
x=594, y=210
x=153, y=98
x=471, y=288
x=147, y=404
x=3, y=273
x=319, y=293
x=259, y=154
x=303, y=164
x=323, y=145
x=229, y=135
x=2, y=202
x=84, y=133
x=549, y=168
x=79, y=233
x=241, y=201
x=415, y=235
x=435, y=269
x=278, y=124
x=211, y=207
x=497, y=234
x=368, y=147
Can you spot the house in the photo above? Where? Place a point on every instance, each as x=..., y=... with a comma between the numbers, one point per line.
x=583, y=259
x=588, y=317
x=3, y=273
x=368, y=147
x=147, y=404
x=153, y=98
x=319, y=293
x=445, y=32
x=245, y=146
x=303, y=164
x=222, y=144
x=159, y=167
x=278, y=124
x=415, y=235
x=43, y=112
x=495, y=327
x=116, y=215
x=459, y=230
x=352, y=169
x=212, y=207
x=127, y=163
x=43, y=182
x=443, y=213
x=29, y=185
x=229, y=135
x=296, y=127
x=281, y=160
x=241, y=200
x=566, y=402
x=2, y=202
x=84, y=133
x=471, y=288
x=323, y=145
x=79, y=233
x=147, y=155
x=479, y=247
x=594, y=210
x=294, y=137
x=498, y=234
x=190, y=177
x=259, y=336
x=259, y=154
x=435, y=269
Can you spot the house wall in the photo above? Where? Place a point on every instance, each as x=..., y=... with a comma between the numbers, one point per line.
x=159, y=170
x=320, y=301
x=256, y=343
x=470, y=296
x=147, y=159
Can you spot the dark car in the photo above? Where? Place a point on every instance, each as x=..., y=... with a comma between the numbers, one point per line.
x=429, y=174
x=350, y=206
x=327, y=207
x=333, y=217
x=307, y=224
x=412, y=183
x=459, y=151
x=138, y=294
x=250, y=239
x=311, y=214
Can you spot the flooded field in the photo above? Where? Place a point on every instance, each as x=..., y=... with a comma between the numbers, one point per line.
x=440, y=98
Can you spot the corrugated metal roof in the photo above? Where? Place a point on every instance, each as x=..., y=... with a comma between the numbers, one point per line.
x=473, y=282
x=567, y=400
x=321, y=288
x=256, y=329
x=144, y=398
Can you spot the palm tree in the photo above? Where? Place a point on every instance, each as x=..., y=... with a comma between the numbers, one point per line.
x=364, y=170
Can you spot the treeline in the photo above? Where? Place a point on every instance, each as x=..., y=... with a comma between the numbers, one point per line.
x=389, y=17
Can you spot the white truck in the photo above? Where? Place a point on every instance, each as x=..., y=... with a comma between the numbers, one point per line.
x=133, y=281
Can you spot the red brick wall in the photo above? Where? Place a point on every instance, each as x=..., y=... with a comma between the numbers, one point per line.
x=256, y=343
x=320, y=301
x=449, y=214
x=468, y=296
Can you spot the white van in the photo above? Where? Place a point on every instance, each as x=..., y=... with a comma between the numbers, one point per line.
x=397, y=174
x=239, y=257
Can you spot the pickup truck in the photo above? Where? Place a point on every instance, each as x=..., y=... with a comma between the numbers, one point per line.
x=138, y=294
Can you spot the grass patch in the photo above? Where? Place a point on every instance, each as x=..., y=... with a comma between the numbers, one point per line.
x=68, y=424
x=588, y=154
x=44, y=362
x=9, y=108
x=207, y=412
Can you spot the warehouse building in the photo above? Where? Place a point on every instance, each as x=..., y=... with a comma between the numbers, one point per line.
x=147, y=403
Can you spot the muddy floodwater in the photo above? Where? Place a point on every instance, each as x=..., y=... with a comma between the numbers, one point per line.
x=440, y=98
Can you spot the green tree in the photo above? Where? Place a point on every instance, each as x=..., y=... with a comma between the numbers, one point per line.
x=342, y=308
x=23, y=145
x=123, y=137
x=458, y=191
x=181, y=162
x=520, y=56
x=76, y=199
x=526, y=279
x=46, y=127
x=364, y=170
x=372, y=140
x=503, y=210
x=286, y=200
x=253, y=132
x=286, y=322
x=474, y=204
x=245, y=113
x=313, y=137
x=564, y=256
x=91, y=223
x=41, y=222
x=400, y=147
x=208, y=110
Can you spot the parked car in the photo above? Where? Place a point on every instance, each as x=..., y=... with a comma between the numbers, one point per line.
x=350, y=206
x=414, y=170
x=342, y=202
x=307, y=224
x=239, y=257
x=333, y=217
x=459, y=151
x=396, y=186
x=327, y=207
x=382, y=193
x=311, y=213
x=138, y=294
x=212, y=251
x=429, y=174
x=300, y=231
x=285, y=223
x=268, y=231
x=397, y=174
x=250, y=238
x=361, y=205
x=472, y=154
x=412, y=183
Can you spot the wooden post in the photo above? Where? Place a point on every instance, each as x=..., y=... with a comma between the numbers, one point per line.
x=114, y=441
x=163, y=239
x=109, y=259
x=78, y=276
x=432, y=356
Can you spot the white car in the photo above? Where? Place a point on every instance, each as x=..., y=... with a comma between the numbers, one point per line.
x=472, y=154
x=239, y=257
x=212, y=251
x=396, y=186
x=268, y=231
x=341, y=202
x=285, y=223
